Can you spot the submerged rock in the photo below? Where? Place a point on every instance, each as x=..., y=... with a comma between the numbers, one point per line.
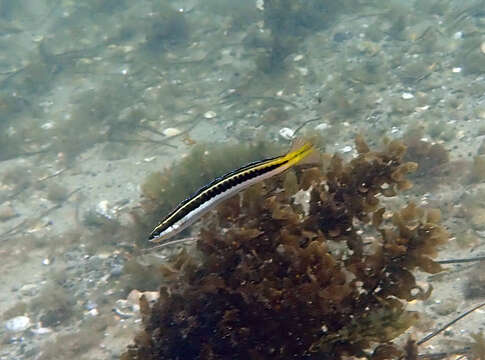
x=18, y=324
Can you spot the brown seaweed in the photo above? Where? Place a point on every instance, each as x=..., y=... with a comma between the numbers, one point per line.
x=276, y=281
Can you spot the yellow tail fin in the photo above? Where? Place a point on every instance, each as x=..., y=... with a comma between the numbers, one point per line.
x=303, y=152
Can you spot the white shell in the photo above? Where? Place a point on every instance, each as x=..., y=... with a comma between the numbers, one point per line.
x=287, y=133
x=103, y=208
x=407, y=96
x=171, y=132
x=210, y=114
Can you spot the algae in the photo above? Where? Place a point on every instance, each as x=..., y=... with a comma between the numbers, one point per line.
x=265, y=284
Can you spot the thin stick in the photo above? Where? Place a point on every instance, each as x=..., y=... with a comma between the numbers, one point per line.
x=464, y=260
x=20, y=227
x=446, y=326
x=305, y=123
x=443, y=355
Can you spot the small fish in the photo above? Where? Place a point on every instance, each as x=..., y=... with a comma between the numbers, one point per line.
x=226, y=186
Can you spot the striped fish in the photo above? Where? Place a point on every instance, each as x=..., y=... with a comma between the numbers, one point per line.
x=226, y=186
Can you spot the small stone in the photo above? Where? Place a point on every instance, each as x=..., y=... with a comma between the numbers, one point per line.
x=93, y=312
x=298, y=57
x=347, y=149
x=171, y=132
x=458, y=35
x=482, y=47
x=407, y=96
x=116, y=270
x=210, y=114
x=456, y=70
x=18, y=324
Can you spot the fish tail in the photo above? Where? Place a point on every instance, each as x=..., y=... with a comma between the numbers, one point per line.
x=302, y=152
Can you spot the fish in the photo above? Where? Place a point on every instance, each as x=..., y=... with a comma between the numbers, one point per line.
x=206, y=198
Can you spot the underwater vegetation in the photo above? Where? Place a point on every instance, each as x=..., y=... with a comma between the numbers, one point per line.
x=289, y=22
x=429, y=156
x=162, y=191
x=167, y=27
x=276, y=277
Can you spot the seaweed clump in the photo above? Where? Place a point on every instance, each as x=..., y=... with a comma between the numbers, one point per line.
x=277, y=279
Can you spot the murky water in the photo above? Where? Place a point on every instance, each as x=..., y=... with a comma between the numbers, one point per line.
x=112, y=112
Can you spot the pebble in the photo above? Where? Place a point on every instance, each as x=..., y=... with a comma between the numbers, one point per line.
x=210, y=114
x=482, y=47
x=347, y=149
x=458, y=35
x=286, y=133
x=18, y=324
x=171, y=132
x=116, y=270
x=456, y=70
x=407, y=96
